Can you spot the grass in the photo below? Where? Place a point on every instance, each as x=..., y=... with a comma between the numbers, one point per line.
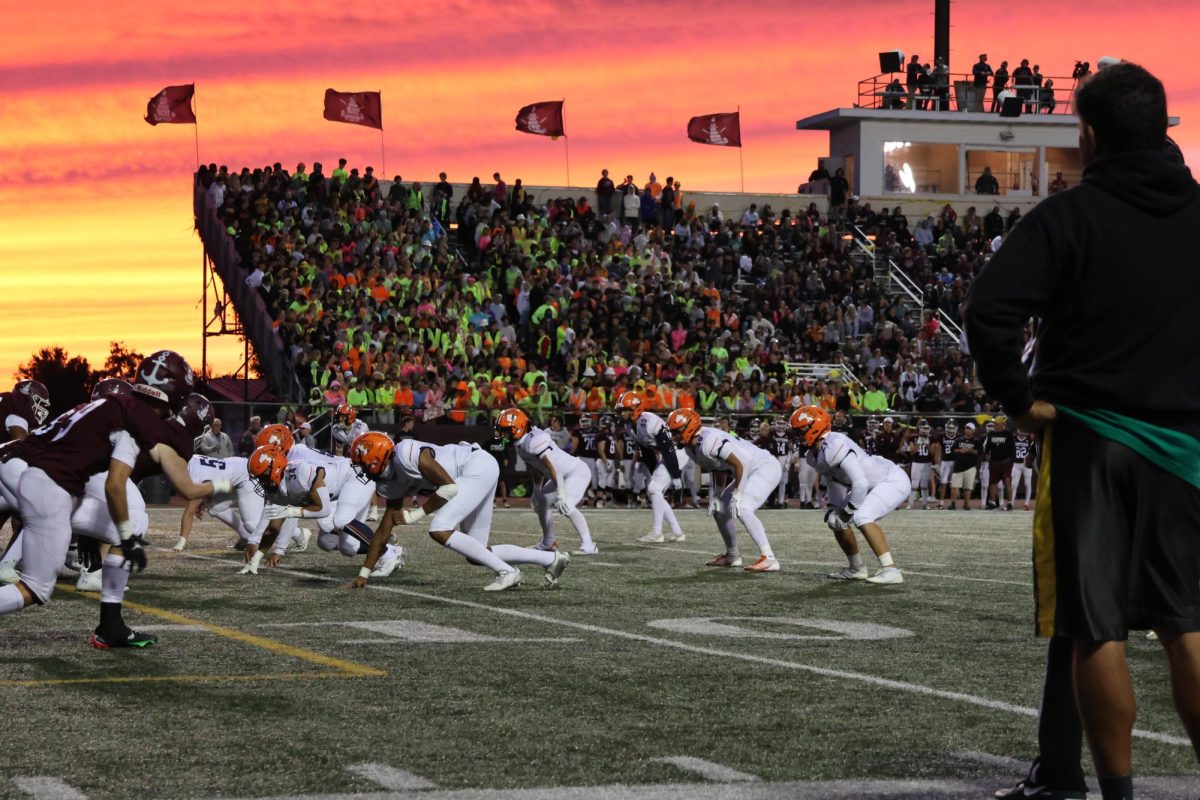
x=219, y=715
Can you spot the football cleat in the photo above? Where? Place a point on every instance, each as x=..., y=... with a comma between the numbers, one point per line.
x=677, y=537
x=887, y=575
x=180, y=545
x=130, y=638
x=561, y=559
x=239, y=544
x=505, y=580
x=300, y=543
x=89, y=581
x=543, y=546
x=393, y=559
x=8, y=572
x=1025, y=789
x=725, y=560
x=652, y=538
x=849, y=574
x=763, y=564
x=594, y=551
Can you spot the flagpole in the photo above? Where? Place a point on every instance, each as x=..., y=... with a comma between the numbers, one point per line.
x=382, y=156
x=566, y=141
x=741, y=162
x=196, y=126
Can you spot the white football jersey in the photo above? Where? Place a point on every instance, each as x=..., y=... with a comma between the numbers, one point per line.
x=842, y=461
x=344, y=435
x=403, y=476
x=536, y=445
x=647, y=428
x=207, y=468
x=338, y=469
x=713, y=446
x=296, y=485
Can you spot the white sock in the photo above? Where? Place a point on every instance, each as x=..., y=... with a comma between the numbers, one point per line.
x=476, y=552
x=856, y=561
x=114, y=577
x=885, y=560
x=546, y=519
x=757, y=532
x=728, y=535
x=512, y=554
x=585, y=535
x=10, y=599
x=182, y=543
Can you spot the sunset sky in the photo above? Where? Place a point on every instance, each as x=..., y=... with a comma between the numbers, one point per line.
x=96, y=237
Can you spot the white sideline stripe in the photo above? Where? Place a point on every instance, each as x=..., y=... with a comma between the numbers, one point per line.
x=992, y=760
x=390, y=777
x=669, y=548
x=589, y=562
x=886, y=683
x=41, y=787
x=707, y=769
x=551, y=640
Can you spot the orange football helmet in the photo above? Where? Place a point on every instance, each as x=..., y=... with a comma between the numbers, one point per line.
x=809, y=424
x=630, y=405
x=684, y=424
x=346, y=414
x=372, y=453
x=267, y=464
x=511, y=423
x=277, y=435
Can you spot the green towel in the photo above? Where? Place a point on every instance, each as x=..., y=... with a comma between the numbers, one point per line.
x=1177, y=453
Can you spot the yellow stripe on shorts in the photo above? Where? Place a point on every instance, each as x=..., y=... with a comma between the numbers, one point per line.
x=1045, y=589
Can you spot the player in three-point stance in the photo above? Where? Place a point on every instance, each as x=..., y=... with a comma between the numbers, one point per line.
x=563, y=479
x=863, y=489
x=755, y=476
x=660, y=460
x=463, y=478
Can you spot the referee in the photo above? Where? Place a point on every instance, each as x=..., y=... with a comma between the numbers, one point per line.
x=1117, y=528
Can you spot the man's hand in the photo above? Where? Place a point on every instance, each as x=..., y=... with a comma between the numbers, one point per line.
x=135, y=552
x=563, y=507
x=273, y=560
x=735, y=504
x=677, y=484
x=358, y=583
x=1039, y=415
x=273, y=511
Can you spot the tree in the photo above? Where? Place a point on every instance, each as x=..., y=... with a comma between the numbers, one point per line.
x=67, y=378
x=122, y=363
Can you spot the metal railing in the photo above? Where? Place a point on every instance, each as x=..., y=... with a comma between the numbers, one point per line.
x=822, y=372
x=873, y=92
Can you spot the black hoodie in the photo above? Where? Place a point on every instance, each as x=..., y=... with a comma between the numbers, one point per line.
x=1111, y=270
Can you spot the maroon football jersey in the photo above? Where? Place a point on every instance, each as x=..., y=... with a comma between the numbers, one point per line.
x=176, y=438
x=15, y=404
x=79, y=444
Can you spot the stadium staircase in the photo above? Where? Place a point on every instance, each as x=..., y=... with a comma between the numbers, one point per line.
x=897, y=283
x=251, y=310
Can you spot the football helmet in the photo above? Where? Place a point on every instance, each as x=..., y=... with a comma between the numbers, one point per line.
x=990, y=425
x=511, y=425
x=607, y=423
x=630, y=406
x=165, y=376
x=371, y=453
x=684, y=424
x=923, y=427
x=780, y=425
x=809, y=424
x=266, y=465
x=196, y=415
x=873, y=425
x=951, y=428
x=111, y=387
x=585, y=422
x=39, y=397
x=277, y=435
x=346, y=415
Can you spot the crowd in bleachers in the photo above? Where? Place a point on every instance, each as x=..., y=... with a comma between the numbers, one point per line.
x=409, y=298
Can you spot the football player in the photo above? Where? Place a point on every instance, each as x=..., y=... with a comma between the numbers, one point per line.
x=24, y=408
x=610, y=450
x=464, y=480
x=660, y=461
x=785, y=453
x=346, y=428
x=63, y=455
x=584, y=446
x=755, y=476
x=1023, y=460
x=947, y=444
x=863, y=489
x=562, y=483
x=985, y=464
x=920, y=449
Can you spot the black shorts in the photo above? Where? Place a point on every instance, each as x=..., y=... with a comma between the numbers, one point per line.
x=1116, y=540
x=999, y=471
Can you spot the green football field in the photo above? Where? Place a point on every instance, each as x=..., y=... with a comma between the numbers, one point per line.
x=643, y=675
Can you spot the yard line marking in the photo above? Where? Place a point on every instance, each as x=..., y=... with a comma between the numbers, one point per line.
x=44, y=788
x=413, y=632
x=348, y=667
x=390, y=777
x=583, y=560
x=886, y=683
x=708, y=770
x=261, y=676
x=991, y=760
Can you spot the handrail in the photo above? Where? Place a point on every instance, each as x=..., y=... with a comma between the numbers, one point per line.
x=873, y=91
x=817, y=371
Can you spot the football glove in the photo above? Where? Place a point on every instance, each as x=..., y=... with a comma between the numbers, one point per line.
x=714, y=505
x=563, y=507
x=135, y=553
x=838, y=519
x=677, y=484
x=735, y=504
x=273, y=511
x=89, y=553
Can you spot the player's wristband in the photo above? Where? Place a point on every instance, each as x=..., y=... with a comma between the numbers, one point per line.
x=125, y=530
x=447, y=491
x=364, y=573
x=411, y=515
x=222, y=486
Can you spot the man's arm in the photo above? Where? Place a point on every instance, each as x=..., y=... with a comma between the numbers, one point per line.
x=392, y=516
x=175, y=468
x=666, y=448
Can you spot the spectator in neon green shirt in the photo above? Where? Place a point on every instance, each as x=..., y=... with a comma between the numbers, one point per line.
x=875, y=401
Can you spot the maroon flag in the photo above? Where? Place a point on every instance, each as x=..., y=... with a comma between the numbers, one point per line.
x=172, y=104
x=357, y=108
x=723, y=130
x=542, y=119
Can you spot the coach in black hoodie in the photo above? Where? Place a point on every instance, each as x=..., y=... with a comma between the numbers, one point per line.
x=1110, y=272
